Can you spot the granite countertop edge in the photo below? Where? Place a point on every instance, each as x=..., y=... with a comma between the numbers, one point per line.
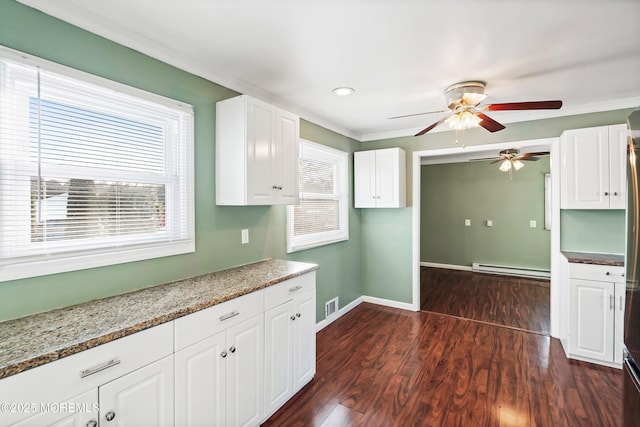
x=18, y=353
x=614, y=260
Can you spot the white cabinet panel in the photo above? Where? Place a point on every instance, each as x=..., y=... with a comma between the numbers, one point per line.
x=596, y=313
x=593, y=173
x=139, y=399
x=85, y=411
x=380, y=178
x=304, y=344
x=200, y=395
x=245, y=372
x=278, y=356
x=256, y=153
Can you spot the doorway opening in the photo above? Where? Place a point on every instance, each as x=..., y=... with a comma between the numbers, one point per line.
x=470, y=282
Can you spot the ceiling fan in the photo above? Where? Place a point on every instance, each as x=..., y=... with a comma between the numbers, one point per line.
x=512, y=159
x=463, y=100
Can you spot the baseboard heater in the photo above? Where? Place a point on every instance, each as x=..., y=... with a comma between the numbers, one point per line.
x=511, y=271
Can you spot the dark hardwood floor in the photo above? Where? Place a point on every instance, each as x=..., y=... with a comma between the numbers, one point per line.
x=516, y=302
x=378, y=366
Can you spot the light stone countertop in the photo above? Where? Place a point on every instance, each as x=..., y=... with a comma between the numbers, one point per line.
x=41, y=338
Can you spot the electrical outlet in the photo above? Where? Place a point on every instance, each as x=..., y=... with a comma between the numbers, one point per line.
x=489, y=223
x=532, y=223
x=467, y=223
x=245, y=236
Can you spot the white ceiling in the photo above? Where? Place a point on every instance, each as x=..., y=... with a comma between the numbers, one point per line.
x=399, y=55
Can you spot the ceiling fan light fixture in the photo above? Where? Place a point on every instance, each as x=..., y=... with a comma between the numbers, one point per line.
x=517, y=164
x=463, y=120
x=505, y=166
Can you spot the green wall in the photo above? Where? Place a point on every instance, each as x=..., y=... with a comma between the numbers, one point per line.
x=217, y=228
x=453, y=192
x=593, y=231
x=382, y=225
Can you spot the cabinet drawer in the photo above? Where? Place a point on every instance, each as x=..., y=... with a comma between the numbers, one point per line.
x=60, y=380
x=205, y=323
x=601, y=273
x=289, y=289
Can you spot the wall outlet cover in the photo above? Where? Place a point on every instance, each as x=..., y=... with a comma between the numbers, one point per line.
x=245, y=236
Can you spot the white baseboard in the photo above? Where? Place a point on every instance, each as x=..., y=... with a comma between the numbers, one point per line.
x=353, y=304
x=390, y=303
x=341, y=312
x=449, y=266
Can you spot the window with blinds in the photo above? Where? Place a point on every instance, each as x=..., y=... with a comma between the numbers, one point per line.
x=321, y=217
x=92, y=172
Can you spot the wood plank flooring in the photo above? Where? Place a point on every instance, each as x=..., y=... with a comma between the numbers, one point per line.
x=378, y=366
x=516, y=302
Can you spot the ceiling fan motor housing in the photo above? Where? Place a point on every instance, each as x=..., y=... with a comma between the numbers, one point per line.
x=454, y=93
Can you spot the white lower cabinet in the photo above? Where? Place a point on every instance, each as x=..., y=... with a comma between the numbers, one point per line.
x=143, y=398
x=596, y=313
x=219, y=380
x=290, y=356
x=205, y=369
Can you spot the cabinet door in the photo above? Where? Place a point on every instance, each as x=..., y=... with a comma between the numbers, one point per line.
x=304, y=343
x=142, y=398
x=618, y=166
x=592, y=319
x=585, y=171
x=620, y=297
x=260, y=152
x=278, y=357
x=388, y=176
x=364, y=179
x=200, y=395
x=85, y=409
x=287, y=154
x=245, y=347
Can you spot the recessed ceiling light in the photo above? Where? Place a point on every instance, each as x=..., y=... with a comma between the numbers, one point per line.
x=343, y=91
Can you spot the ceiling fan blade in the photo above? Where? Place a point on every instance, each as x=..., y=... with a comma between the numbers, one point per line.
x=427, y=129
x=489, y=124
x=418, y=114
x=498, y=160
x=528, y=159
x=533, y=105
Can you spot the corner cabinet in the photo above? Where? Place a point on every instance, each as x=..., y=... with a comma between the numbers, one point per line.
x=256, y=153
x=594, y=171
x=380, y=178
x=596, y=313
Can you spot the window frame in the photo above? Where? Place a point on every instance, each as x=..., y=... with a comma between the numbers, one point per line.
x=340, y=160
x=88, y=256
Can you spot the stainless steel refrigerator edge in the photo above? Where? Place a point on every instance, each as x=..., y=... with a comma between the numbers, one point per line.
x=631, y=387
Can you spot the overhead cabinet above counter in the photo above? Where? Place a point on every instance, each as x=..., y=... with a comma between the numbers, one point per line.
x=380, y=178
x=256, y=153
x=594, y=171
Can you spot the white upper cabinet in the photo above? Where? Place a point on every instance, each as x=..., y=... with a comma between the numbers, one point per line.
x=380, y=178
x=256, y=153
x=594, y=168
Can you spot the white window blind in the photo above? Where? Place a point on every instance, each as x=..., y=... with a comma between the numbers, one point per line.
x=91, y=172
x=321, y=217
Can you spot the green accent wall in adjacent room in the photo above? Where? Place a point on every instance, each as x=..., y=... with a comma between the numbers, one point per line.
x=453, y=192
x=217, y=228
x=601, y=231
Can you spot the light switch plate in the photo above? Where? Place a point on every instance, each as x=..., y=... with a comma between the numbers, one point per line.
x=532, y=223
x=245, y=236
x=489, y=223
x=467, y=222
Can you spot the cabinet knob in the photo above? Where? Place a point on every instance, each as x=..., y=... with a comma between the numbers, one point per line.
x=615, y=193
x=279, y=187
x=293, y=317
x=224, y=353
x=110, y=415
x=607, y=273
x=298, y=314
x=606, y=193
x=275, y=187
x=232, y=349
x=92, y=423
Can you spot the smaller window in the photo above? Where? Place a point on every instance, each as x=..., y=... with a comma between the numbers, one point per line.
x=321, y=217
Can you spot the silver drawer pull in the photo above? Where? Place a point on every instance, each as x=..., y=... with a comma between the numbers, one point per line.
x=224, y=317
x=295, y=288
x=100, y=367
